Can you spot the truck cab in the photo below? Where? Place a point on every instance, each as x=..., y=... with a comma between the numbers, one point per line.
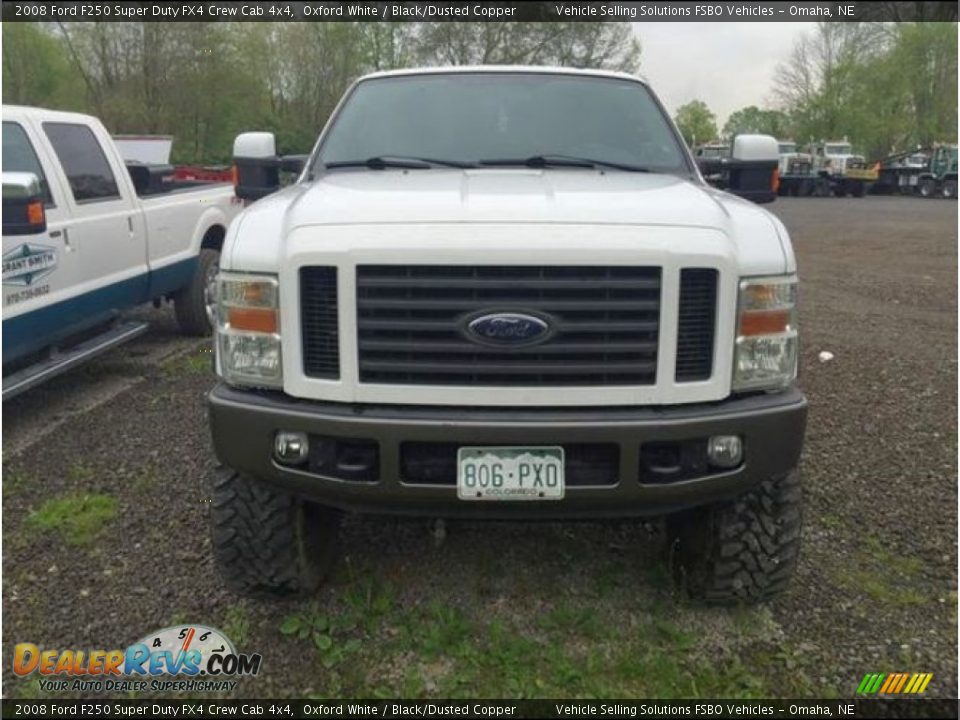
x=112, y=239
x=836, y=157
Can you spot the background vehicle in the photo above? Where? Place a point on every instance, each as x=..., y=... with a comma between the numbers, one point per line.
x=711, y=151
x=941, y=177
x=796, y=170
x=900, y=173
x=505, y=292
x=112, y=236
x=840, y=171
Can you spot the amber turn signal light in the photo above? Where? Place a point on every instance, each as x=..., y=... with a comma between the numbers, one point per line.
x=35, y=213
x=764, y=322
x=253, y=319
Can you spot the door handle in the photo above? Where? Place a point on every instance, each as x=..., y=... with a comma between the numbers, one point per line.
x=130, y=225
x=66, y=238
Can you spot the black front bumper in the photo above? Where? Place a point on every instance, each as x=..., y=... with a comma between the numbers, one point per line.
x=244, y=425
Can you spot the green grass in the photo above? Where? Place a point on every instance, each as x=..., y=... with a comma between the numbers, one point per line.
x=14, y=481
x=196, y=363
x=77, y=518
x=80, y=472
x=366, y=637
x=236, y=625
x=882, y=574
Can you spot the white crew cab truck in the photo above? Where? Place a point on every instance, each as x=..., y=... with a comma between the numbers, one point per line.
x=86, y=237
x=505, y=293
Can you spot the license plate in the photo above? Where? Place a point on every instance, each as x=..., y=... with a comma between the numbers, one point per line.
x=510, y=473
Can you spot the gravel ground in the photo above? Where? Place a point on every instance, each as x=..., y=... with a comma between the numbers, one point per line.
x=546, y=609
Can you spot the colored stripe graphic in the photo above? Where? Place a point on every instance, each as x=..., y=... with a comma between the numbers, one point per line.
x=891, y=681
x=894, y=683
x=870, y=683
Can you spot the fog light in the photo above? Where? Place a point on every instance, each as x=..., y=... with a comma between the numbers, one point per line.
x=725, y=451
x=291, y=448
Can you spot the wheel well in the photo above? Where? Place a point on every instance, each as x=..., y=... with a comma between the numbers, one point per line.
x=213, y=238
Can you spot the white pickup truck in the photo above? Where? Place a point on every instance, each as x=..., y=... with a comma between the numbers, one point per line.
x=505, y=292
x=86, y=236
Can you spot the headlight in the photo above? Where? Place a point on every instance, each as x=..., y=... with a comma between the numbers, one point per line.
x=765, y=357
x=248, y=330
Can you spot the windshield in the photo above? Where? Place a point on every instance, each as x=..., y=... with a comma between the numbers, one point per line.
x=474, y=117
x=838, y=149
x=787, y=148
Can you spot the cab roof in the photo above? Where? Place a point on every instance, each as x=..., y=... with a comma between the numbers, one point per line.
x=505, y=69
x=27, y=111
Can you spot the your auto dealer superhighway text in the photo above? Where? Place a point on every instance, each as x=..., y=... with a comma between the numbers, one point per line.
x=411, y=710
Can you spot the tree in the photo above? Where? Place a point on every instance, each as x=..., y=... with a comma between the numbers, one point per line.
x=612, y=46
x=887, y=87
x=752, y=119
x=696, y=122
x=35, y=69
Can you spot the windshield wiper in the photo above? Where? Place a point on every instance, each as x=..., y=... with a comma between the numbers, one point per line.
x=380, y=162
x=542, y=161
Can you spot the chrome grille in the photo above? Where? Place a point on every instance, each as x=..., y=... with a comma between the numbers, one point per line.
x=604, y=324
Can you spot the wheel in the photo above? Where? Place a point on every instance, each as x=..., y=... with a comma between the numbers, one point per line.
x=950, y=189
x=859, y=190
x=268, y=543
x=195, y=305
x=839, y=192
x=927, y=187
x=745, y=550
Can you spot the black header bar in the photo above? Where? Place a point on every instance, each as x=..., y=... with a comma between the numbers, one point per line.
x=485, y=709
x=417, y=11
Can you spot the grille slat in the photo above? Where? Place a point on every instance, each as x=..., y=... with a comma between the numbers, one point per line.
x=428, y=346
x=319, y=323
x=498, y=283
x=696, y=320
x=467, y=304
x=605, y=321
x=569, y=326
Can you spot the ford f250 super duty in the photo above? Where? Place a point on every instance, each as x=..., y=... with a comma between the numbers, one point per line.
x=87, y=236
x=504, y=293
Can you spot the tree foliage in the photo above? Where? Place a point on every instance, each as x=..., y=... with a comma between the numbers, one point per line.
x=696, y=122
x=752, y=119
x=885, y=86
x=204, y=82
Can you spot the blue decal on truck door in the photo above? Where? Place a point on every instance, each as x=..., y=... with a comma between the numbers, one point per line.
x=28, y=262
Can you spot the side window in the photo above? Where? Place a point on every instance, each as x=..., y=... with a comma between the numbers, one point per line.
x=19, y=156
x=83, y=162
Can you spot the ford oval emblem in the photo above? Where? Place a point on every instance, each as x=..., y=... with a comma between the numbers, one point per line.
x=508, y=328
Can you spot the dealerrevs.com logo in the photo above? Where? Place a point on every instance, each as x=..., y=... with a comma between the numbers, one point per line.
x=182, y=658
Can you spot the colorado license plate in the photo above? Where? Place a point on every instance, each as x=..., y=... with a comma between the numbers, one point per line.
x=510, y=473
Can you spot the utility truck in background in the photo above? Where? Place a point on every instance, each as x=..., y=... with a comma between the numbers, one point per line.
x=940, y=177
x=87, y=236
x=505, y=293
x=840, y=171
x=795, y=170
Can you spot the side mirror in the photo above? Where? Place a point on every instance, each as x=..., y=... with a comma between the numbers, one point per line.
x=755, y=148
x=258, y=168
x=750, y=171
x=293, y=163
x=22, y=204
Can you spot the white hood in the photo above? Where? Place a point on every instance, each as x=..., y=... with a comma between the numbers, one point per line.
x=506, y=196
